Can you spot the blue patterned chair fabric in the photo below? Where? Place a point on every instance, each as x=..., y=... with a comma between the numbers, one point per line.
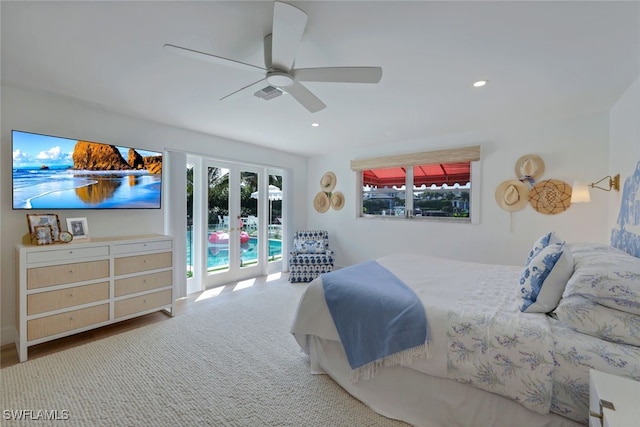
x=310, y=256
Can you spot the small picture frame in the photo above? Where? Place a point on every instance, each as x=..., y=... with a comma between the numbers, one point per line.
x=43, y=235
x=78, y=227
x=35, y=220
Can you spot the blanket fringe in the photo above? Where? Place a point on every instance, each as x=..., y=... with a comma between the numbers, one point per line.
x=402, y=358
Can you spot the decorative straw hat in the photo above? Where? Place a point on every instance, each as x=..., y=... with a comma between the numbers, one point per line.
x=529, y=166
x=550, y=196
x=337, y=200
x=321, y=202
x=512, y=195
x=328, y=182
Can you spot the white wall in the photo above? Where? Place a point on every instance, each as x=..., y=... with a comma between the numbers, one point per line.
x=573, y=149
x=55, y=115
x=624, y=146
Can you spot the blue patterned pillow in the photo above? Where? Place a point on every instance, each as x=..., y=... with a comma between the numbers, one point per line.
x=310, y=246
x=544, y=241
x=544, y=278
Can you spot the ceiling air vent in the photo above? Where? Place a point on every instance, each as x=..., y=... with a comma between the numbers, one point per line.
x=268, y=93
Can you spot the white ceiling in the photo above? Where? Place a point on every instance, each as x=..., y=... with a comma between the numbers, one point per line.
x=543, y=59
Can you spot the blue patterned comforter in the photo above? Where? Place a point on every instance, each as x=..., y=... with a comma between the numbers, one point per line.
x=495, y=347
x=531, y=358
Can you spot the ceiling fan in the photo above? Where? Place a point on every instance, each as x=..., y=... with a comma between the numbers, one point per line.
x=280, y=49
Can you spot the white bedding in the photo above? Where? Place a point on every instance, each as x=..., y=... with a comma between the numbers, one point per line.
x=423, y=400
x=453, y=292
x=313, y=317
x=479, y=338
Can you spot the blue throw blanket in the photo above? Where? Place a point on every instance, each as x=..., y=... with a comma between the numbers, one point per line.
x=380, y=320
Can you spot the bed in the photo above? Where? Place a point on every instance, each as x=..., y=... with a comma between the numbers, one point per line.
x=505, y=345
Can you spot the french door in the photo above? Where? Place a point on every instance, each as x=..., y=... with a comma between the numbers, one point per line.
x=236, y=231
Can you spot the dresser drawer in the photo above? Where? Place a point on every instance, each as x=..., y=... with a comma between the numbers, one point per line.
x=142, y=246
x=139, y=263
x=41, y=277
x=142, y=303
x=144, y=282
x=63, y=298
x=67, y=254
x=58, y=323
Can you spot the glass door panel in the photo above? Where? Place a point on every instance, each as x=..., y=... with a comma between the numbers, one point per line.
x=218, y=223
x=190, y=249
x=249, y=221
x=275, y=217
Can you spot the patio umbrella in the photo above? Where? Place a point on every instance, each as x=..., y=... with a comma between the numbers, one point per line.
x=275, y=193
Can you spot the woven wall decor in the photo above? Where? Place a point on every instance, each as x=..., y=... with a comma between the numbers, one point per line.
x=327, y=198
x=337, y=200
x=321, y=202
x=328, y=182
x=529, y=167
x=550, y=196
x=512, y=195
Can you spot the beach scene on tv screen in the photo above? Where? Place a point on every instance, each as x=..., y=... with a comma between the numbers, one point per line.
x=51, y=172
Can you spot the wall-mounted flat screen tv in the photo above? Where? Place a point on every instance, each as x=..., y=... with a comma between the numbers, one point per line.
x=51, y=172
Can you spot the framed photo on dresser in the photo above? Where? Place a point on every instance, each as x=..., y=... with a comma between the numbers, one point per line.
x=78, y=227
x=38, y=220
x=43, y=235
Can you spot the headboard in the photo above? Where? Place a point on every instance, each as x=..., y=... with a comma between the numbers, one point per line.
x=627, y=234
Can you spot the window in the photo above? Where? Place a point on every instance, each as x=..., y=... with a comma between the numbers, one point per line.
x=430, y=185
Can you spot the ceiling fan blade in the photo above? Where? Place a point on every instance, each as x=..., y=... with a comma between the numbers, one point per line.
x=305, y=97
x=339, y=74
x=214, y=59
x=257, y=85
x=289, y=23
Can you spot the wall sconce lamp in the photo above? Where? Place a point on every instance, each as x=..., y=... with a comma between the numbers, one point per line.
x=580, y=190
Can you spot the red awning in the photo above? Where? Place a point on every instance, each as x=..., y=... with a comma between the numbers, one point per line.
x=438, y=174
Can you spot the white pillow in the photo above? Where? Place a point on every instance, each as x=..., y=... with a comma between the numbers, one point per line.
x=544, y=278
x=544, y=241
x=608, y=278
x=584, y=315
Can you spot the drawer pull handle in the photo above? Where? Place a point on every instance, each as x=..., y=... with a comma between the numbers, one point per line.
x=71, y=252
x=71, y=295
x=71, y=318
x=600, y=415
x=144, y=301
x=70, y=271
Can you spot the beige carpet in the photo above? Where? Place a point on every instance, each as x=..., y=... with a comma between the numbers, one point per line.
x=231, y=364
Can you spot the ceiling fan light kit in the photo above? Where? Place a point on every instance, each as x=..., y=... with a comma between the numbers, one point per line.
x=279, y=79
x=280, y=48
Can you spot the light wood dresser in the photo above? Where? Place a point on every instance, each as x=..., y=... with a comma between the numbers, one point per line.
x=64, y=289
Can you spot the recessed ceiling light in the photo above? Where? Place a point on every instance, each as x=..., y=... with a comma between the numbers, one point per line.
x=315, y=125
x=479, y=83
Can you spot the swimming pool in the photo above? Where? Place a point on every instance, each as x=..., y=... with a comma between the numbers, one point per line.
x=218, y=258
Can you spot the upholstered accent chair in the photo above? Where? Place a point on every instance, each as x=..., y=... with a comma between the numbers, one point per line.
x=310, y=255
